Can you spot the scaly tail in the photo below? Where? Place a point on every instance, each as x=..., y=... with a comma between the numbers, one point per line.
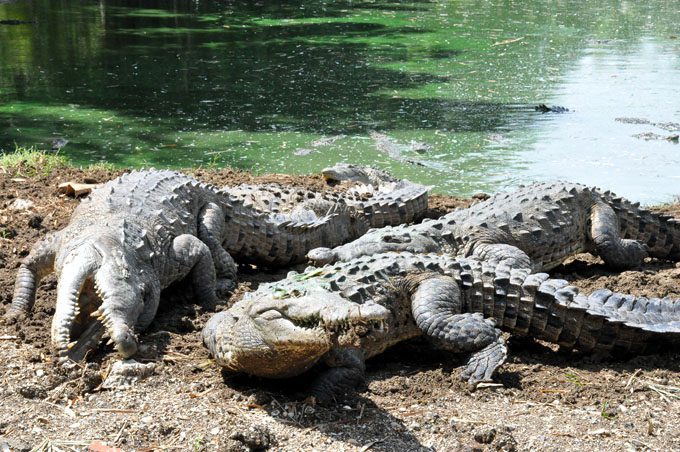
x=37, y=264
x=661, y=233
x=405, y=204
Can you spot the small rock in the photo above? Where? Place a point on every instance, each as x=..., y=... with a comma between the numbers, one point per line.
x=35, y=221
x=21, y=204
x=256, y=438
x=484, y=435
x=126, y=373
x=14, y=445
x=33, y=392
x=505, y=442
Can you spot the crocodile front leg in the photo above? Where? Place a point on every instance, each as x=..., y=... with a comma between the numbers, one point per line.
x=615, y=251
x=195, y=256
x=210, y=229
x=38, y=263
x=346, y=373
x=436, y=306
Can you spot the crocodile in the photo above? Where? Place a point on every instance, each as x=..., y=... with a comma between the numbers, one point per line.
x=139, y=233
x=132, y=237
x=393, y=149
x=342, y=172
x=543, y=108
x=536, y=226
x=339, y=315
x=374, y=195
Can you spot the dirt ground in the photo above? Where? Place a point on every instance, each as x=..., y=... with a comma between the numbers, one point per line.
x=545, y=399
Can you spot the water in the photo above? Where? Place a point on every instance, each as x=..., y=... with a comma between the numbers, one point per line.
x=294, y=86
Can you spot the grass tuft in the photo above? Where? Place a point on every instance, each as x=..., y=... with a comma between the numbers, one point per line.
x=31, y=162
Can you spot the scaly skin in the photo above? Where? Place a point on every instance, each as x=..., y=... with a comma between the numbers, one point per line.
x=536, y=226
x=341, y=172
x=342, y=314
x=131, y=238
x=292, y=221
x=143, y=231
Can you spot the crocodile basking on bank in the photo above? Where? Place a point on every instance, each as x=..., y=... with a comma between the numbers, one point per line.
x=373, y=197
x=536, y=226
x=305, y=218
x=131, y=238
x=140, y=232
x=342, y=314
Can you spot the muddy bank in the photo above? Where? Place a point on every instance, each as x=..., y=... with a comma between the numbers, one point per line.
x=413, y=401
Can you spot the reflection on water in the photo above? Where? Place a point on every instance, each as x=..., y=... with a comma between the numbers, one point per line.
x=621, y=98
x=295, y=85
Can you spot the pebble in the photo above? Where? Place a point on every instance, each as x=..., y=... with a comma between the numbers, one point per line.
x=21, y=204
x=484, y=435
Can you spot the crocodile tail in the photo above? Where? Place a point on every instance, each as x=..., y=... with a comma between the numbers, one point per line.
x=37, y=264
x=603, y=321
x=405, y=204
x=661, y=233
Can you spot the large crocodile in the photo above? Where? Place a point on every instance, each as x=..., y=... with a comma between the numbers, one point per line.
x=536, y=226
x=141, y=232
x=131, y=238
x=343, y=314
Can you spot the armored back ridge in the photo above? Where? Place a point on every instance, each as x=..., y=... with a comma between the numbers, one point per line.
x=536, y=226
x=339, y=315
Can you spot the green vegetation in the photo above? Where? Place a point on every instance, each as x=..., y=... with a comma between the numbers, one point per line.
x=31, y=162
x=605, y=412
x=247, y=84
x=575, y=379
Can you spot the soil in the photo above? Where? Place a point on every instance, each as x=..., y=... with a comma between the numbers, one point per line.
x=544, y=399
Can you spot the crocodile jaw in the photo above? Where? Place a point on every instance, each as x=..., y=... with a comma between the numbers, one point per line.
x=95, y=295
x=271, y=348
x=278, y=338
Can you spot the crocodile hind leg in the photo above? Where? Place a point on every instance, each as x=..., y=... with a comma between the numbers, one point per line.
x=436, y=307
x=210, y=228
x=604, y=232
x=345, y=373
x=502, y=254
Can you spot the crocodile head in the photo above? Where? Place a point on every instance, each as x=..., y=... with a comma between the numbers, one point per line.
x=273, y=337
x=103, y=287
x=354, y=173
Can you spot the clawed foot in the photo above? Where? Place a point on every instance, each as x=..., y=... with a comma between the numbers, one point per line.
x=484, y=363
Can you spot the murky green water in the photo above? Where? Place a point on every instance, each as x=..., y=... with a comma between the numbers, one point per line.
x=292, y=86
